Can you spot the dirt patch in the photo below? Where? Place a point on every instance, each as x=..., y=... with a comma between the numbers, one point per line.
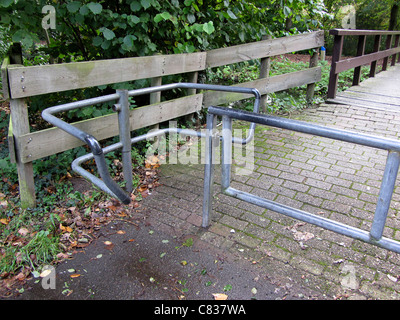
x=296, y=58
x=80, y=184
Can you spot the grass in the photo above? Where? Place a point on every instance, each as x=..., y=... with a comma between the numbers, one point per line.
x=32, y=238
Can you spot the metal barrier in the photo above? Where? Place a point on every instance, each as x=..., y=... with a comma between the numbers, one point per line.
x=106, y=183
x=374, y=236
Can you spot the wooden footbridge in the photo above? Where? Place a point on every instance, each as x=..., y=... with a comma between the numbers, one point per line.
x=381, y=91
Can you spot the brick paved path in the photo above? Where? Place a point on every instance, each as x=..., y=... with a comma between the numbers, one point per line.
x=334, y=179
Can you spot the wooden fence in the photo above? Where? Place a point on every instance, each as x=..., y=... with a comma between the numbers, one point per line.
x=339, y=64
x=20, y=83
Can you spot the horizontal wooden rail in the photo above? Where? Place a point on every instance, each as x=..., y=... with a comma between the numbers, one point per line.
x=354, y=32
x=36, y=80
x=266, y=85
x=24, y=82
x=351, y=63
x=340, y=65
x=20, y=83
x=36, y=145
x=264, y=49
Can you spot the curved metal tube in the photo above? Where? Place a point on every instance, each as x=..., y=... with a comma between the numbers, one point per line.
x=106, y=183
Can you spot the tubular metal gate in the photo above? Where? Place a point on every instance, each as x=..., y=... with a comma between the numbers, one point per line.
x=374, y=236
x=107, y=184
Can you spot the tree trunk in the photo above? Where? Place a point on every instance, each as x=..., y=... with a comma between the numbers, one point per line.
x=393, y=16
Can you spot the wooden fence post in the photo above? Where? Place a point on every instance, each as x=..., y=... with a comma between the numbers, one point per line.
x=377, y=43
x=388, y=46
x=311, y=86
x=193, y=77
x=265, y=66
x=396, y=44
x=333, y=77
x=20, y=126
x=360, y=52
x=155, y=97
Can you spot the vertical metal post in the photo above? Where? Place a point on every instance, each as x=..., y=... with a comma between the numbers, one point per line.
x=226, y=152
x=385, y=194
x=125, y=137
x=209, y=169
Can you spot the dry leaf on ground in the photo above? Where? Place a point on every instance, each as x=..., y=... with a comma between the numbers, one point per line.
x=220, y=296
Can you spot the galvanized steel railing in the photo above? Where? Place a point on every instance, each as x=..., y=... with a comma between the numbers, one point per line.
x=374, y=236
x=106, y=183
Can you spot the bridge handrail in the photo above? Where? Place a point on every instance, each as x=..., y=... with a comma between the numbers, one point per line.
x=392, y=48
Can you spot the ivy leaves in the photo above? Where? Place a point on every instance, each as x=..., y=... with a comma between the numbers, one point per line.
x=87, y=30
x=75, y=6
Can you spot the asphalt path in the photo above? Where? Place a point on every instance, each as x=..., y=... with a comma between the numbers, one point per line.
x=128, y=262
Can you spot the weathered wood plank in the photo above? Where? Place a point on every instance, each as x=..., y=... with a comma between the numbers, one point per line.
x=11, y=143
x=265, y=86
x=379, y=93
x=36, y=80
x=43, y=143
x=20, y=125
x=370, y=97
x=364, y=104
x=264, y=48
x=350, y=63
x=4, y=77
x=354, y=32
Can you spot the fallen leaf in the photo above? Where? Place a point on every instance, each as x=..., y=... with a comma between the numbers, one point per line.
x=65, y=229
x=112, y=208
x=20, y=276
x=75, y=275
x=220, y=296
x=392, y=278
x=45, y=273
x=62, y=255
x=135, y=204
x=109, y=245
x=302, y=236
x=184, y=262
x=23, y=231
x=4, y=221
x=121, y=232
